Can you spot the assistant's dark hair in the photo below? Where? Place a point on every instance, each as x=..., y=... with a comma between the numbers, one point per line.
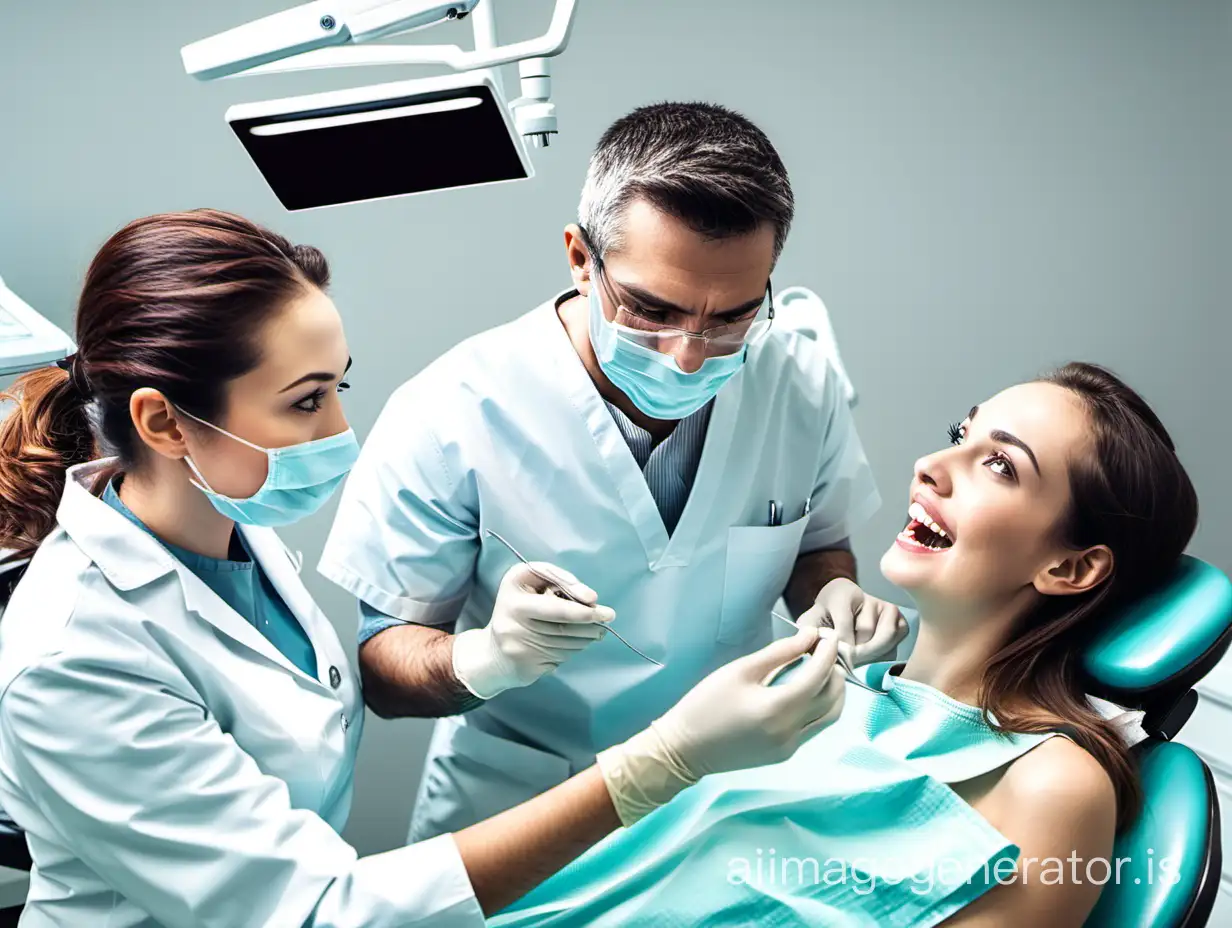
x=1131, y=494
x=173, y=302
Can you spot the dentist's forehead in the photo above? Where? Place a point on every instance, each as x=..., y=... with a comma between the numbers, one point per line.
x=655, y=241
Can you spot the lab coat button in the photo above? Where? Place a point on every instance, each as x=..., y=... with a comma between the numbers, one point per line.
x=335, y=678
x=346, y=723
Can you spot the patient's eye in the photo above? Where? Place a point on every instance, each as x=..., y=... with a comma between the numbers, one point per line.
x=1001, y=465
x=957, y=432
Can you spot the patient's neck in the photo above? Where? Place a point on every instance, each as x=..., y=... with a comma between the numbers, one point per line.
x=951, y=655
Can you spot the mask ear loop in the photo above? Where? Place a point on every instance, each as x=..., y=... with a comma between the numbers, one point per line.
x=204, y=485
x=200, y=483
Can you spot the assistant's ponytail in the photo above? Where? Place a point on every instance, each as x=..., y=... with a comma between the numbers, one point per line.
x=46, y=433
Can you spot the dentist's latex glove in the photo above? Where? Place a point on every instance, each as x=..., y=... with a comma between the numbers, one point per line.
x=870, y=625
x=532, y=631
x=728, y=721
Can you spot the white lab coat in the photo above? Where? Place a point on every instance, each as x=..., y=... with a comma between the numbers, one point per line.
x=170, y=766
x=507, y=432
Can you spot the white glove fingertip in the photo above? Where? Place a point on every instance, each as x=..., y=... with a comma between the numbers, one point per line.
x=813, y=617
x=822, y=660
x=810, y=677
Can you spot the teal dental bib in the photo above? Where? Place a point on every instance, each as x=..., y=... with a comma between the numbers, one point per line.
x=857, y=829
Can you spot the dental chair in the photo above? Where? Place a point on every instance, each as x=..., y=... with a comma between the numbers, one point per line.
x=1150, y=659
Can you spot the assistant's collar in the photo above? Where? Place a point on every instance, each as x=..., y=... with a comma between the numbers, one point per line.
x=128, y=556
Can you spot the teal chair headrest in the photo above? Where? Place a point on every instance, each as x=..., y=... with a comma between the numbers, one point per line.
x=1169, y=639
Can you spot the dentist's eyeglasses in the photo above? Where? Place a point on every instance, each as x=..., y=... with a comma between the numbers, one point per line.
x=637, y=325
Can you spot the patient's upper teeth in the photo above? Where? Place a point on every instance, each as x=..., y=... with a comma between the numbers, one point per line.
x=920, y=514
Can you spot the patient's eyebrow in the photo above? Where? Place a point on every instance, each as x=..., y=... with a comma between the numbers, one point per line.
x=1006, y=438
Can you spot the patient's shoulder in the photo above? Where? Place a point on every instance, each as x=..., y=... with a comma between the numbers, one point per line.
x=1058, y=788
x=1057, y=804
x=1058, y=769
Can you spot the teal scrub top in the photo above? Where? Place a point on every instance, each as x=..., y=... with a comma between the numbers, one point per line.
x=243, y=586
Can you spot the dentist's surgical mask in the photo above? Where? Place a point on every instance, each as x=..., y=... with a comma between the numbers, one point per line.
x=651, y=379
x=298, y=481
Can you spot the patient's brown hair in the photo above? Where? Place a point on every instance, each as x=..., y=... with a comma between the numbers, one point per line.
x=1133, y=496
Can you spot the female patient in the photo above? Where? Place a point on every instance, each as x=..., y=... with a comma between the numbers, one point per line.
x=1059, y=501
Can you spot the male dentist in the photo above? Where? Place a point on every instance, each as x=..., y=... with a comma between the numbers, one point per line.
x=655, y=433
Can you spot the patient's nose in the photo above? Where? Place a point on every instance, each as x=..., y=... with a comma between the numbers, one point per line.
x=932, y=471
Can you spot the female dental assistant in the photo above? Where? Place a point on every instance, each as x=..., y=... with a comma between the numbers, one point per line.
x=178, y=721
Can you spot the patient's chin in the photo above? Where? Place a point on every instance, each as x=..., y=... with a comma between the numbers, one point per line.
x=899, y=568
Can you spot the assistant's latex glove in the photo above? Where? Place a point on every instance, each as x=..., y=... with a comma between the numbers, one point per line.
x=729, y=721
x=532, y=631
x=870, y=625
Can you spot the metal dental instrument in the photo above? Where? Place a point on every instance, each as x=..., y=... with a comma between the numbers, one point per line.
x=842, y=661
x=561, y=591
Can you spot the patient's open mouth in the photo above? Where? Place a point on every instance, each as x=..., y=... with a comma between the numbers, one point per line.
x=923, y=532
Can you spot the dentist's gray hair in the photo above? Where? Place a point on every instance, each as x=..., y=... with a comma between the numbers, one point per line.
x=703, y=164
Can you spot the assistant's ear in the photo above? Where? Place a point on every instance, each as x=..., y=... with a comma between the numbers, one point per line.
x=157, y=423
x=1078, y=572
x=578, y=256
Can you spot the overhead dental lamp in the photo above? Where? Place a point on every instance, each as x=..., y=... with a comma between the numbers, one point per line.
x=386, y=140
x=27, y=339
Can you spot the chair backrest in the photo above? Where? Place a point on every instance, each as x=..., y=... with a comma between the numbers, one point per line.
x=802, y=311
x=13, y=851
x=1169, y=860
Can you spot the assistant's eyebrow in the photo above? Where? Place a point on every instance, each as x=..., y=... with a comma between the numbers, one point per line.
x=648, y=299
x=317, y=377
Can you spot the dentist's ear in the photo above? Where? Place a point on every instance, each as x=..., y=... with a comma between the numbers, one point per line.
x=1078, y=572
x=578, y=257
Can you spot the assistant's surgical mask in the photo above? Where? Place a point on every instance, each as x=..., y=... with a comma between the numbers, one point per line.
x=298, y=480
x=652, y=379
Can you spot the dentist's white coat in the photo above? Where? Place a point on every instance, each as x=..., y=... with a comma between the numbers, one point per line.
x=507, y=432
x=169, y=765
